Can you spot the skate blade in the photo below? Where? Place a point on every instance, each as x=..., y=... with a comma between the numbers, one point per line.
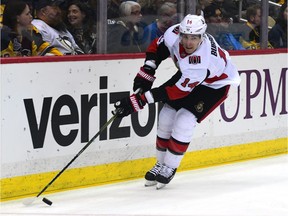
x=160, y=185
x=150, y=183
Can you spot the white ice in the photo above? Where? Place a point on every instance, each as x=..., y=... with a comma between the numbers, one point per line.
x=251, y=188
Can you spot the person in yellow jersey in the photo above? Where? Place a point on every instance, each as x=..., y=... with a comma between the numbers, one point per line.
x=250, y=31
x=18, y=36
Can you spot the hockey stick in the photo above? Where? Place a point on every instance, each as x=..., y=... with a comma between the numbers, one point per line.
x=47, y=201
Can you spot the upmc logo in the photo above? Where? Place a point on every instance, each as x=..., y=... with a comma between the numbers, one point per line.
x=273, y=95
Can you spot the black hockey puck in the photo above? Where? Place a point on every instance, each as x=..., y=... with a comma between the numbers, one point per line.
x=47, y=201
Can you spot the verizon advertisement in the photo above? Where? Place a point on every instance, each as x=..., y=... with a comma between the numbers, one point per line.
x=50, y=110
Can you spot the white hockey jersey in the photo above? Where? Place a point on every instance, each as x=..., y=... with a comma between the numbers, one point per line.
x=209, y=65
x=62, y=40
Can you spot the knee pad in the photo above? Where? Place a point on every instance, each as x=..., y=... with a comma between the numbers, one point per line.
x=166, y=122
x=184, y=125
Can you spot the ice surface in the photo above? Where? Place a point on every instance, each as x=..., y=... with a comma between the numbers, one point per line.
x=251, y=188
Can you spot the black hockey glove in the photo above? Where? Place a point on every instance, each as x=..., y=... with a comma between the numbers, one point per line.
x=144, y=79
x=128, y=105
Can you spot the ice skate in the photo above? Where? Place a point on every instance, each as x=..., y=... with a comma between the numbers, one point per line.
x=165, y=176
x=151, y=175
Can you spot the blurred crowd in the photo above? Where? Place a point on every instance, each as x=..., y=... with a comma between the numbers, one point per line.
x=69, y=27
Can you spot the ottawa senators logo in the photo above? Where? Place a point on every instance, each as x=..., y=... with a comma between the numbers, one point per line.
x=199, y=107
x=194, y=59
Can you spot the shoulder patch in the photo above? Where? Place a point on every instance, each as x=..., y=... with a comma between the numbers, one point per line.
x=176, y=30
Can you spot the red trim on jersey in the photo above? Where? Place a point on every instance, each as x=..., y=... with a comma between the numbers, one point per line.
x=162, y=143
x=216, y=105
x=177, y=146
x=175, y=93
x=152, y=48
x=216, y=78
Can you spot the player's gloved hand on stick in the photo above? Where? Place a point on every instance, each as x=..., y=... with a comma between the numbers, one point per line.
x=144, y=78
x=128, y=105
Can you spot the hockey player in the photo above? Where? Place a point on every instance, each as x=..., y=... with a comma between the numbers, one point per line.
x=205, y=74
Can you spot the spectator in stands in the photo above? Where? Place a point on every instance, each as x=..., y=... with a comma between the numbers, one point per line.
x=166, y=17
x=126, y=34
x=278, y=34
x=52, y=27
x=213, y=18
x=213, y=14
x=81, y=25
x=230, y=6
x=250, y=31
x=18, y=36
x=219, y=24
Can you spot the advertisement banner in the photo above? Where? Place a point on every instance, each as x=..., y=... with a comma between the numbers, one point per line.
x=50, y=110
